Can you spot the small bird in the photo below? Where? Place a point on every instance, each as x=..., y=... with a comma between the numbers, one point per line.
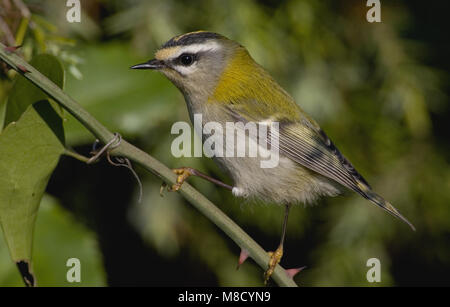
x=220, y=80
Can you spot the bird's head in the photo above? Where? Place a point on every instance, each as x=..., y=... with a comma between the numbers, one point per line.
x=196, y=61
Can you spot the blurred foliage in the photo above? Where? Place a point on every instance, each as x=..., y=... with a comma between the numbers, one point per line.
x=378, y=90
x=58, y=236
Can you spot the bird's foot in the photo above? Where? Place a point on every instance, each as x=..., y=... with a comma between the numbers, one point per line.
x=275, y=258
x=183, y=174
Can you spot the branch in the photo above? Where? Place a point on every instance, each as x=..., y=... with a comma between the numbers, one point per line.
x=206, y=207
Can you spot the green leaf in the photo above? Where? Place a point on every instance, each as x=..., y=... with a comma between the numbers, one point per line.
x=30, y=147
x=29, y=151
x=24, y=93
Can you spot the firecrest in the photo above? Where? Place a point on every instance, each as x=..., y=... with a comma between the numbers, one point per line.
x=221, y=81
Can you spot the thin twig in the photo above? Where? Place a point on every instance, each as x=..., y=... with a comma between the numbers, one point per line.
x=24, y=11
x=9, y=36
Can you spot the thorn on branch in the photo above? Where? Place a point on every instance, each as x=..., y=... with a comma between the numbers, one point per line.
x=161, y=189
x=242, y=257
x=12, y=49
x=292, y=272
x=23, y=69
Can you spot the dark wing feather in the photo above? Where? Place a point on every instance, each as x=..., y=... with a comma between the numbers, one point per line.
x=313, y=149
x=305, y=143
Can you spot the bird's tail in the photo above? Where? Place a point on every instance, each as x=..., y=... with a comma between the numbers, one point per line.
x=384, y=204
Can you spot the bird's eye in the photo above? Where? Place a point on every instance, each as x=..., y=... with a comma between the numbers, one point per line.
x=186, y=59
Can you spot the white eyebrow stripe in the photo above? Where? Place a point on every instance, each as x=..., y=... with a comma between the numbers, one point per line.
x=196, y=48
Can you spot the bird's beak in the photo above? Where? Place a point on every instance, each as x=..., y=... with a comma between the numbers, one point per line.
x=152, y=64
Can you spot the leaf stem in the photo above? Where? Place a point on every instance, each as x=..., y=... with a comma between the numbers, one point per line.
x=75, y=155
x=206, y=207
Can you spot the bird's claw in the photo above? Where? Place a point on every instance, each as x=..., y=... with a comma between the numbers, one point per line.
x=275, y=258
x=183, y=174
x=161, y=189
